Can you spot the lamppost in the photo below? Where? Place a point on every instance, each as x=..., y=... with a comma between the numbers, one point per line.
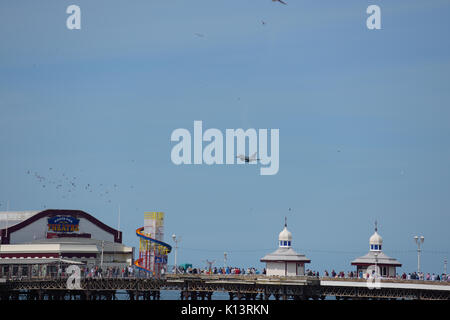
x=445, y=266
x=101, y=261
x=174, y=238
x=225, y=259
x=419, y=241
x=377, y=274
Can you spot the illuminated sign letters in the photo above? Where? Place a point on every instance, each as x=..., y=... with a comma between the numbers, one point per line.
x=63, y=224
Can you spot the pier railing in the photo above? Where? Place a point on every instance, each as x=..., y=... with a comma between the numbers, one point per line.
x=144, y=275
x=241, y=286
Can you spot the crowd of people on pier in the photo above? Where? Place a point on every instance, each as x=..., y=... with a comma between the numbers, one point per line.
x=97, y=272
x=132, y=271
x=404, y=276
x=215, y=270
x=426, y=277
x=108, y=272
x=310, y=273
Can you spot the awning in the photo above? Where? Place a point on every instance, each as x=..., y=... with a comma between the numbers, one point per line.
x=37, y=261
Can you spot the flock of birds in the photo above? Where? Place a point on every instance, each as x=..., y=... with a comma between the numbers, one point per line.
x=68, y=185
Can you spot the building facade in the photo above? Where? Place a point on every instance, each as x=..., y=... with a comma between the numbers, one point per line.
x=285, y=261
x=37, y=241
x=375, y=259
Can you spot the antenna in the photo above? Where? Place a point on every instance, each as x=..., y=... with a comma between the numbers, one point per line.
x=285, y=218
x=445, y=266
x=7, y=209
x=118, y=224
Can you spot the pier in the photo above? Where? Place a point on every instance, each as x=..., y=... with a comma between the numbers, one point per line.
x=238, y=287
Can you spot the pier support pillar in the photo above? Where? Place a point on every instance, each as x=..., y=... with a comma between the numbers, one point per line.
x=185, y=295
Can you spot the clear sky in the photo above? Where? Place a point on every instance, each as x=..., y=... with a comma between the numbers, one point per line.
x=363, y=118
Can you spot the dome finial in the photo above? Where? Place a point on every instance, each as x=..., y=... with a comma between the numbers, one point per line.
x=285, y=236
x=375, y=240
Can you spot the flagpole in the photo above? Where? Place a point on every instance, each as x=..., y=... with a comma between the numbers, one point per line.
x=7, y=209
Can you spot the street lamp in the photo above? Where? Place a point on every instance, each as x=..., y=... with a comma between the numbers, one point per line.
x=101, y=261
x=445, y=266
x=419, y=242
x=174, y=238
x=225, y=259
x=377, y=274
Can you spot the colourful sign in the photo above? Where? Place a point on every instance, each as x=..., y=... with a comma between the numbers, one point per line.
x=63, y=224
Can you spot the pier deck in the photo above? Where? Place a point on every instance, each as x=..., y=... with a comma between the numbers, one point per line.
x=240, y=287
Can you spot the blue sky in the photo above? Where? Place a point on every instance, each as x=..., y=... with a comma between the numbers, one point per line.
x=363, y=118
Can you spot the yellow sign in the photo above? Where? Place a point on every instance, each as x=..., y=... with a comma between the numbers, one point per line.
x=154, y=215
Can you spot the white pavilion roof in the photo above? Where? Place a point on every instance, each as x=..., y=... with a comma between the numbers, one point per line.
x=376, y=257
x=47, y=248
x=285, y=254
x=83, y=242
x=58, y=245
x=10, y=261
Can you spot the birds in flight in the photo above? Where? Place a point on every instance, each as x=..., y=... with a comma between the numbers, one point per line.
x=68, y=185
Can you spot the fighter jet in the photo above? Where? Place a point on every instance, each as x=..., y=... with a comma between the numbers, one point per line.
x=248, y=159
x=279, y=1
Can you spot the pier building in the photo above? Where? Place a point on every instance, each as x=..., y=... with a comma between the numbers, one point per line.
x=285, y=261
x=376, y=258
x=40, y=242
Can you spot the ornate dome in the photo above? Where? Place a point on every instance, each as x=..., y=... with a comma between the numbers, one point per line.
x=376, y=239
x=285, y=235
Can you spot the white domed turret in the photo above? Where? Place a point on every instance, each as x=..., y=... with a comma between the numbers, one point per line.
x=285, y=237
x=375, y=240
x=285, y=261
x=385, y=266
